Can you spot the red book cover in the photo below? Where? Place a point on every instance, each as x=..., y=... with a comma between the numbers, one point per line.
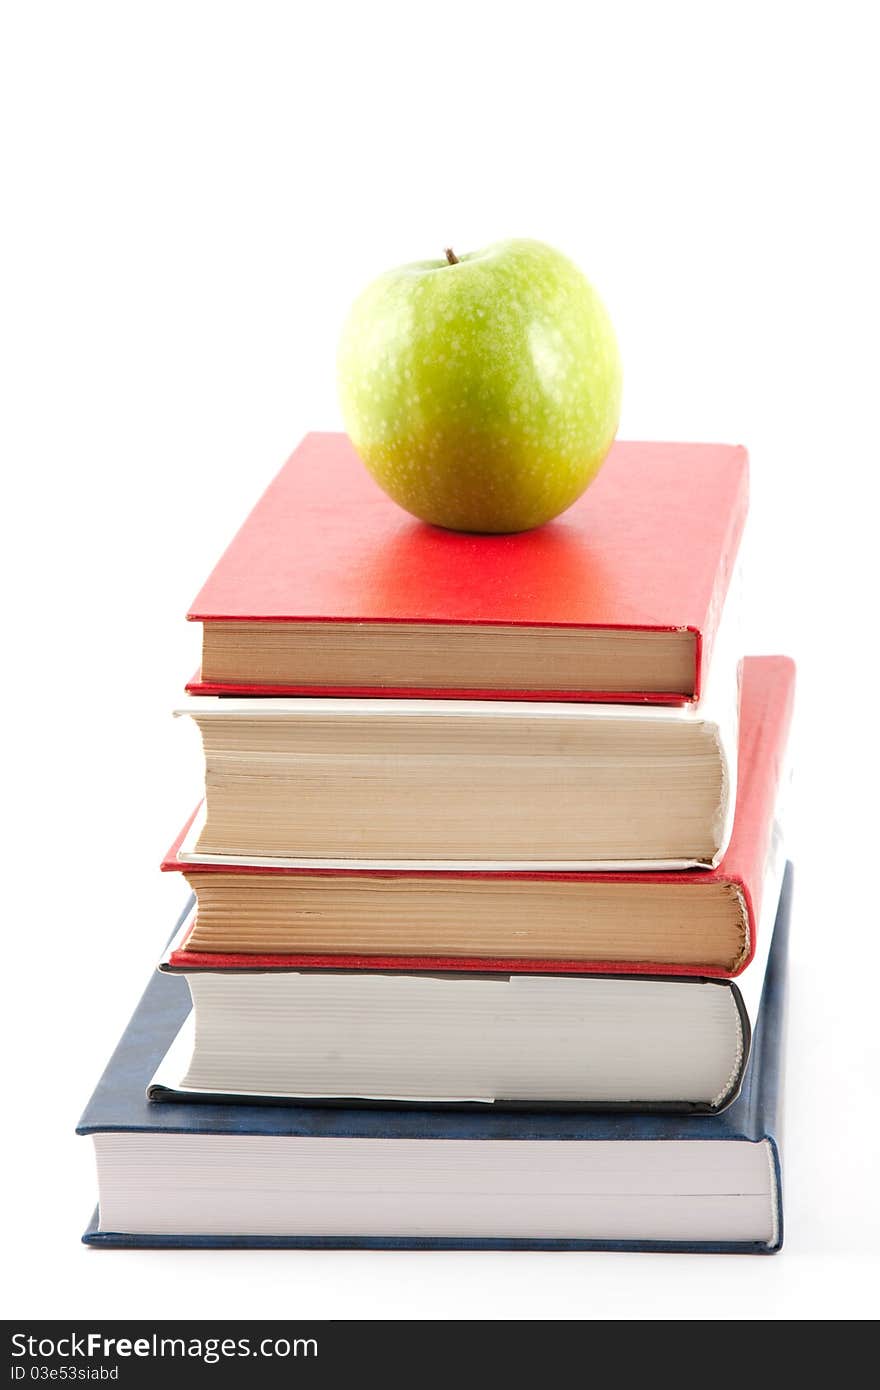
x=765, y=718
x=650, y=546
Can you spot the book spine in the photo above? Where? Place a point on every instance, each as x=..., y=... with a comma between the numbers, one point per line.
x=756, y=845
x=724, y=581
x=766, y=1071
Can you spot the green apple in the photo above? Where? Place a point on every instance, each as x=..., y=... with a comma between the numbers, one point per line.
x=482, y=391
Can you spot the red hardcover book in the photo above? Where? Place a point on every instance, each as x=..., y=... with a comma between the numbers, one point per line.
x=748, y=867
x=330, y=588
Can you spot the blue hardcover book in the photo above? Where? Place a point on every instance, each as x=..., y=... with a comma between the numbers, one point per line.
x=226, y=1175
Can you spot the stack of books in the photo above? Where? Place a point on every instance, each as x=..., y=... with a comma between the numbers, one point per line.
x=481, y=948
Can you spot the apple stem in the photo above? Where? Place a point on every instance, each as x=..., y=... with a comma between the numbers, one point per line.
x=451, y=256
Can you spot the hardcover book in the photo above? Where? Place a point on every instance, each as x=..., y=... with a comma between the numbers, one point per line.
x=682, y=923
x=329, y=588
x=275, y=1175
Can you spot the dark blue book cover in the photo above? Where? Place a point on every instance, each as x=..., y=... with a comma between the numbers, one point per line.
x=120, y=1104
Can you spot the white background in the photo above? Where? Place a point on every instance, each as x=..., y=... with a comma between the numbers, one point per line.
x=192, y=195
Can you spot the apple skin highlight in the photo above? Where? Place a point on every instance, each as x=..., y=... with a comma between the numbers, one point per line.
x=482, y=392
